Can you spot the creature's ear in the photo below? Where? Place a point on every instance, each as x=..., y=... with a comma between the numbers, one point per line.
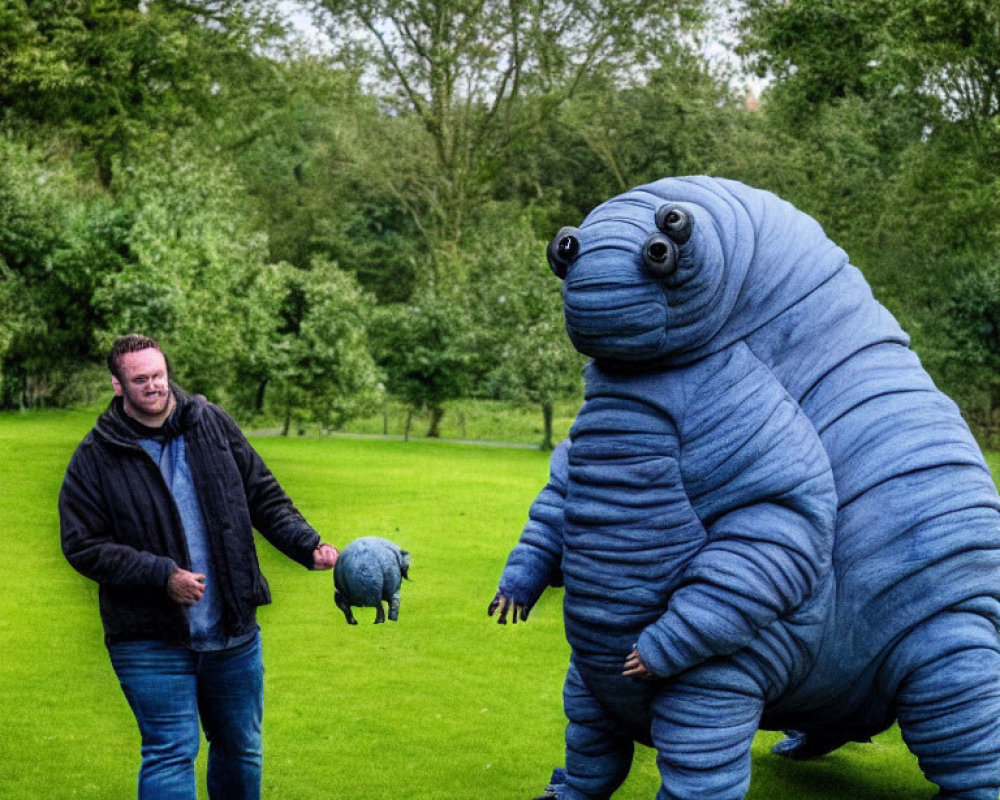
x=404, y=563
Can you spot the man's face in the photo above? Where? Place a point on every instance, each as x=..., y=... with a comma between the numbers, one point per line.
x=144, y=385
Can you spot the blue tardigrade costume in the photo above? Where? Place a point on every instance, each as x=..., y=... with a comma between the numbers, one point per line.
x=370, y=571
x=765, y=493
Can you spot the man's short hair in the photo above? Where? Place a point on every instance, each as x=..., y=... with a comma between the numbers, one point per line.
x=130, y=343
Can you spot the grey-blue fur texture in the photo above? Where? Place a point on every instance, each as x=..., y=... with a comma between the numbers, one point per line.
x=370, y=571
x=764, y=499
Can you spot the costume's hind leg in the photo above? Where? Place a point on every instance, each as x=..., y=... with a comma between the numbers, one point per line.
x=598, y=753
x=703, y=726
x=344, y=605
x=948, y=703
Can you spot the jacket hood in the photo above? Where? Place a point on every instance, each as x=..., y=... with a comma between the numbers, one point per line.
x=116, y=428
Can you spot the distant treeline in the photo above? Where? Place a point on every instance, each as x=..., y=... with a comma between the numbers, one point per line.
x=311, y=226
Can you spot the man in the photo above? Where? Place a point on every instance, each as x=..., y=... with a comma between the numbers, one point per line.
x=158, y=506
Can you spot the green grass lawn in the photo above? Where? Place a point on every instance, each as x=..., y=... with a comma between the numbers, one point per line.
x=442, y=704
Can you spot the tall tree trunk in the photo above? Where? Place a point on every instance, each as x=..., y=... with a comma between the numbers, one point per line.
x=259, y=400
x=434, y=431
x=547, y=413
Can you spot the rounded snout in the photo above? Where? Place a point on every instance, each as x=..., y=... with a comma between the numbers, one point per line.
x=614, y=308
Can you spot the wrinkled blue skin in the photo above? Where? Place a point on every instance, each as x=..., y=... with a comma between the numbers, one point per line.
x=370, y=571
x=765, y=492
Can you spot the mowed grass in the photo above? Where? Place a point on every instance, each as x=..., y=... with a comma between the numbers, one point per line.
x=442, y=704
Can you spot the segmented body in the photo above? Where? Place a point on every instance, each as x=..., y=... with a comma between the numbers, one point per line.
x=765, y=492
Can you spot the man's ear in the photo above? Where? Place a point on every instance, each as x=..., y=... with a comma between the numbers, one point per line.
x=116, y=385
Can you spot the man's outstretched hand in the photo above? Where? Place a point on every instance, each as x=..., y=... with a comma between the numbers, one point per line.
x=325, y=556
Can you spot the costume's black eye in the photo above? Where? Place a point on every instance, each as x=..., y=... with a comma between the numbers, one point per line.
x=675, y=222
x=659, y=256
x=562, y=250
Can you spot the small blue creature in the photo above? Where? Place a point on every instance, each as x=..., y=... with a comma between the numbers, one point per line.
x=370, y=571
x=765, y=514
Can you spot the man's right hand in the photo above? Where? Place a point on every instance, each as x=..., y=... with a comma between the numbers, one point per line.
x=185, y=587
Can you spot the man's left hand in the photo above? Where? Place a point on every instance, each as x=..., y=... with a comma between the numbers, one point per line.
x=325, y=556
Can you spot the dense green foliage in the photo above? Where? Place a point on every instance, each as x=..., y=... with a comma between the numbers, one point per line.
x=443, y=704
x=311, y=229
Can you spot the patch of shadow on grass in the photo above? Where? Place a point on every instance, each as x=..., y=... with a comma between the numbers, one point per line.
x=838, y=775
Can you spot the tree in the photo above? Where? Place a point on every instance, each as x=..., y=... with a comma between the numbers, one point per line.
x=425, y=348
x=892, y=108
x=321, y=368
x=953, y=49
x=521, y=335
x=197, y=277
x=967, y=356
x=680, y=119
x=923, y=62
x=463, y=67
x=58, y=235
x=107, y=71
x=307, y=151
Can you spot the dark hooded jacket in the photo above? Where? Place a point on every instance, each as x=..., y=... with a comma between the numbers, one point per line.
x=121, y=528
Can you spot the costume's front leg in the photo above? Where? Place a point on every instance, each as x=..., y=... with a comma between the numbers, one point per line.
x=598, y=752
x=534, y=563
x=703, y=726
x=758, y=478
x=761, y=563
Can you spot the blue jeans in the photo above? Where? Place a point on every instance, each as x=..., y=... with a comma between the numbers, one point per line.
x=169, y=688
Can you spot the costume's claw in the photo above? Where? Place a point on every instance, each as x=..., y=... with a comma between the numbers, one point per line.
x=503, y=604
x=802, y=746
x=551, y=791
